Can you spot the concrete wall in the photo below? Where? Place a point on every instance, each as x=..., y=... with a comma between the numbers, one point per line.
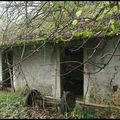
x=101, y=84
x=40, y=71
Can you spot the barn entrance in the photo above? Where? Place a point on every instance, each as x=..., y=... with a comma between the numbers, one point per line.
x=71, y=78
x=7, y=70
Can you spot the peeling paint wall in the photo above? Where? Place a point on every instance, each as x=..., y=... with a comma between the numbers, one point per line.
x=40, y=71
x=101, y=84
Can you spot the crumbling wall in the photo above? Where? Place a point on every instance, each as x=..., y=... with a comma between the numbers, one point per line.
x=39, y=71
x=101, y=84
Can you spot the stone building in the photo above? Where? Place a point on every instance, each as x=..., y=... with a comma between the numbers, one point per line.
x=52, y=68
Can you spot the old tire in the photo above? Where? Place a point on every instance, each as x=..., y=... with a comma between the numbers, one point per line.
x=67, y=102
x=32, y=97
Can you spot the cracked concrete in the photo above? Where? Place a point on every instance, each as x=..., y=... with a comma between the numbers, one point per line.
x=108, y=77
x=113, y=78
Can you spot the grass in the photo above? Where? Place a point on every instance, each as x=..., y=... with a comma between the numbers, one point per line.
x=12, y=105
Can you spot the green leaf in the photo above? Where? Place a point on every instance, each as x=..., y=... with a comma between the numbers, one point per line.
x=110, y=12
x=113, y=27
x=78, y=13
x=74, y=22
x=112, y=24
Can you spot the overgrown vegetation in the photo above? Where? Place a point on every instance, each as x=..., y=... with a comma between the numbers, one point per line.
x=12, y=105
x=67, y=18
x=78, y=113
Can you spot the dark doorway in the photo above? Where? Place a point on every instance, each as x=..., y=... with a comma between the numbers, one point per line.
x=7, y=70
x=72, y=80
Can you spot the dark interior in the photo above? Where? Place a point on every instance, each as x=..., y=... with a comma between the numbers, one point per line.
x=7, y=71
x=73, y=81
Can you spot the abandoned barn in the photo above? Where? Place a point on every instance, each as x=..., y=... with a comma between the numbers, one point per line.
x=53, y=68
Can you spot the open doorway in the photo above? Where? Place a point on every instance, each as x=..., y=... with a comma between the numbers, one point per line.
x=7, y=70
x=72, y=80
